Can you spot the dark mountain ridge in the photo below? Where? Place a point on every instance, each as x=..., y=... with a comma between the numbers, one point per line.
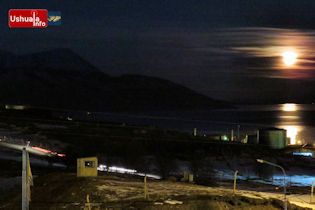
x=62, y=79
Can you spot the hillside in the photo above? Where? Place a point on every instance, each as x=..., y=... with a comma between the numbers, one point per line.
x=62, y=79
x=65, y=191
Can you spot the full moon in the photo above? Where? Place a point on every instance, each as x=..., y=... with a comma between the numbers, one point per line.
x=289, y=58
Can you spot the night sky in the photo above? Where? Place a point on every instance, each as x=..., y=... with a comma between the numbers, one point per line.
x=227, y=50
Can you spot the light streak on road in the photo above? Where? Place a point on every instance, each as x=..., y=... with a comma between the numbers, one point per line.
x=121, y=170
x=31, y=149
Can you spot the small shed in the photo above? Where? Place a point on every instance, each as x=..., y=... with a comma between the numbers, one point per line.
x=87, y=166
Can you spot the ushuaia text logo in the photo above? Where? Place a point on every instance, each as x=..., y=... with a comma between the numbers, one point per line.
x=28, y=18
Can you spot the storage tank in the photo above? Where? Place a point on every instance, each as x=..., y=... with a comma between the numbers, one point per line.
x=275, y=138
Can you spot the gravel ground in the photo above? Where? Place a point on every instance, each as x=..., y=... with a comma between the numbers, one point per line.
x=66, y=191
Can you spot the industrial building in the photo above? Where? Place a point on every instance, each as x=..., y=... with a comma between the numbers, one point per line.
x=275, y=138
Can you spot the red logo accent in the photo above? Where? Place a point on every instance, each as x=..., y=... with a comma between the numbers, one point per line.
x=28, y=18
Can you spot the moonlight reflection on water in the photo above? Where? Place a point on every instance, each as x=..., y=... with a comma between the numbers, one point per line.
x=289, y=116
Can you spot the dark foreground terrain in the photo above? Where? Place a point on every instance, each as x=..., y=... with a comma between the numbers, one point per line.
x=66, y=191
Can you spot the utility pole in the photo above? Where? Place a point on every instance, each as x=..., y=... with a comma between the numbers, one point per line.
x=234, y=187
x=195, y=131
x=27, y=179
x=25, y=202
x=238, y=132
